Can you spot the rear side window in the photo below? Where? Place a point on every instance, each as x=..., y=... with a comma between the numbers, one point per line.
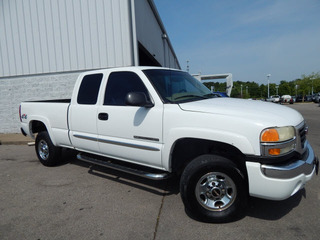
x=89, y=89
x=120, y=84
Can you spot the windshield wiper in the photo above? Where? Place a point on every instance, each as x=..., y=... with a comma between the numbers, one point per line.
x=211, y=95
x=190, y=95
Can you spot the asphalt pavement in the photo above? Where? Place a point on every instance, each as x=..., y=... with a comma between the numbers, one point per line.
x=77, y=200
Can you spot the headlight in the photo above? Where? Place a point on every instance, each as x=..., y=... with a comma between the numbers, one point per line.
x=278, y=141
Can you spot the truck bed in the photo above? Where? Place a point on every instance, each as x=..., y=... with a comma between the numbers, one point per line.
x=53, y=113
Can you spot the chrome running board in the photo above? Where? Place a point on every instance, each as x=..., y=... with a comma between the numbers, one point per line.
x=137, y=172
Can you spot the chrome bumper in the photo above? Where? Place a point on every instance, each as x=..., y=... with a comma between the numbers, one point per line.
x=304, y=166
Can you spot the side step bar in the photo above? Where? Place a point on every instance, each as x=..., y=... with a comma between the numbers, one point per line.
x=137, y=172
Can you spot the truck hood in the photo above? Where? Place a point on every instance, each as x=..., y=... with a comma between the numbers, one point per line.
x=257, y=111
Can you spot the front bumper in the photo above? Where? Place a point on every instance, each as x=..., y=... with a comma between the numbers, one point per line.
x=278, y=182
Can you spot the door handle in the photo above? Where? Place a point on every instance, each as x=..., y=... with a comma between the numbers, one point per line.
x=103, y=116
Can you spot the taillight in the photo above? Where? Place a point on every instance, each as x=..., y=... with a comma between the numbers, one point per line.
x=20, y=113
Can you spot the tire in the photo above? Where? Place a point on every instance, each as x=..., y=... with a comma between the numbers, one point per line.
x=213, y=189
x=48, y=154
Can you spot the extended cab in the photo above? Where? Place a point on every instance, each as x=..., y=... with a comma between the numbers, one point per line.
x=156, y=122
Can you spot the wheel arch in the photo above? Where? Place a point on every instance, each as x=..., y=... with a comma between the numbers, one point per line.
x=185, y=150
x=37, y=126
x=40, y=125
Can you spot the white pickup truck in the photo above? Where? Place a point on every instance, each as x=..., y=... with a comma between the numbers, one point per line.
x=156, y=122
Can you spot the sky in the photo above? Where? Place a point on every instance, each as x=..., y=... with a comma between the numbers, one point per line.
x=248, y=38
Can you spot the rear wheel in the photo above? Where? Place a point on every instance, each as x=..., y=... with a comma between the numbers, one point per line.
x=213, y=189
x=48, y=154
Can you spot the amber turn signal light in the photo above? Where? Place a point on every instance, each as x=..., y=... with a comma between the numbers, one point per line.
x=274, y=151
x=270, y=135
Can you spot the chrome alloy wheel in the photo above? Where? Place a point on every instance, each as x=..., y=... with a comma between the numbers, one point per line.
x=43, y=150
x=215, y=191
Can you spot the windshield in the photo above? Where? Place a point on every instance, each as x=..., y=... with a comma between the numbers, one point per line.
x=176, y=86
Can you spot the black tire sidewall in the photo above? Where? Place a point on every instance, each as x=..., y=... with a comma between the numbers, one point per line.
x=198, y=168
x=54, y=152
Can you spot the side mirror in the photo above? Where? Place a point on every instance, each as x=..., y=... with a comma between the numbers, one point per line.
x=138, y=99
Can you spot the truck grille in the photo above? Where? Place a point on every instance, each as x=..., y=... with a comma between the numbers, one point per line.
x=303, y=132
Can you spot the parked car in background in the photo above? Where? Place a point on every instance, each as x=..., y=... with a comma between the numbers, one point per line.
x=221, y=94
x=299, y=98
x=317, y=97
x=275, y=99
x=286, y=99
x=304, y=98
x=293, y=98
x=308, y=98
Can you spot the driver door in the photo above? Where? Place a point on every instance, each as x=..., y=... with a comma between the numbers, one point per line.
x=127, y=132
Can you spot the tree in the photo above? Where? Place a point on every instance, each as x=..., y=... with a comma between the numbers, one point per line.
x=286, y=88
x=255, y=90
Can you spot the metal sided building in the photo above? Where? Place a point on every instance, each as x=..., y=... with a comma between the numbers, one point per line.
x=44, y=44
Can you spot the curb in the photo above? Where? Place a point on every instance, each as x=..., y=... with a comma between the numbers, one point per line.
x=14, y=139
x=15, y=142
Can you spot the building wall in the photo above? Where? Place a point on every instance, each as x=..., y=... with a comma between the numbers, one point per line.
x=29, y=88
x=46, y=36
x=152, y=35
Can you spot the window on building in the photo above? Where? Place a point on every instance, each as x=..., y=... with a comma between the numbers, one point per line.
x=89, y=89
x=120, y=84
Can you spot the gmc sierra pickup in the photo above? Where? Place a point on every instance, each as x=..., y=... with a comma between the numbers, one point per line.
x=156, y=122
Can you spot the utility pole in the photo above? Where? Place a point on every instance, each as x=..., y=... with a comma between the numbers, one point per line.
x=268, y=76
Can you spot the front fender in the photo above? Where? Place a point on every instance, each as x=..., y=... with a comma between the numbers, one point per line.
x=238, y=141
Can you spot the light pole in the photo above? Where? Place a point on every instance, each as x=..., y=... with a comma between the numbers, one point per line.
x=268, y=76
x=277, y=86
x=312, y=86
x=246, y=91
x=241, y=90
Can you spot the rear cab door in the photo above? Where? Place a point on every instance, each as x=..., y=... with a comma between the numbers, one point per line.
x=83, y=112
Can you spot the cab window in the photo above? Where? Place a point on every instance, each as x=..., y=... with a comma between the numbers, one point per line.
x=89, y=89
x=120, y=84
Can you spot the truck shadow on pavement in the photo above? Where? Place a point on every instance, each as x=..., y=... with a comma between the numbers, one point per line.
x=159, y=187
x=274, y=210
x=265, y=209
x=257, y=208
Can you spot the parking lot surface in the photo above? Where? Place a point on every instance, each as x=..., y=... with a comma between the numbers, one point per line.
x=77, y=200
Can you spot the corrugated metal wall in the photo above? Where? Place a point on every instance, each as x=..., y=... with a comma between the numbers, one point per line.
x=45, y=36
x=152, y=35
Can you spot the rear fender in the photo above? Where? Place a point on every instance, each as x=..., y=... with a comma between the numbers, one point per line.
x=45, y=122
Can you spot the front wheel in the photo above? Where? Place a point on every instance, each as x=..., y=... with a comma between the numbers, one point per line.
x=48, y=154
x=213, y=189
